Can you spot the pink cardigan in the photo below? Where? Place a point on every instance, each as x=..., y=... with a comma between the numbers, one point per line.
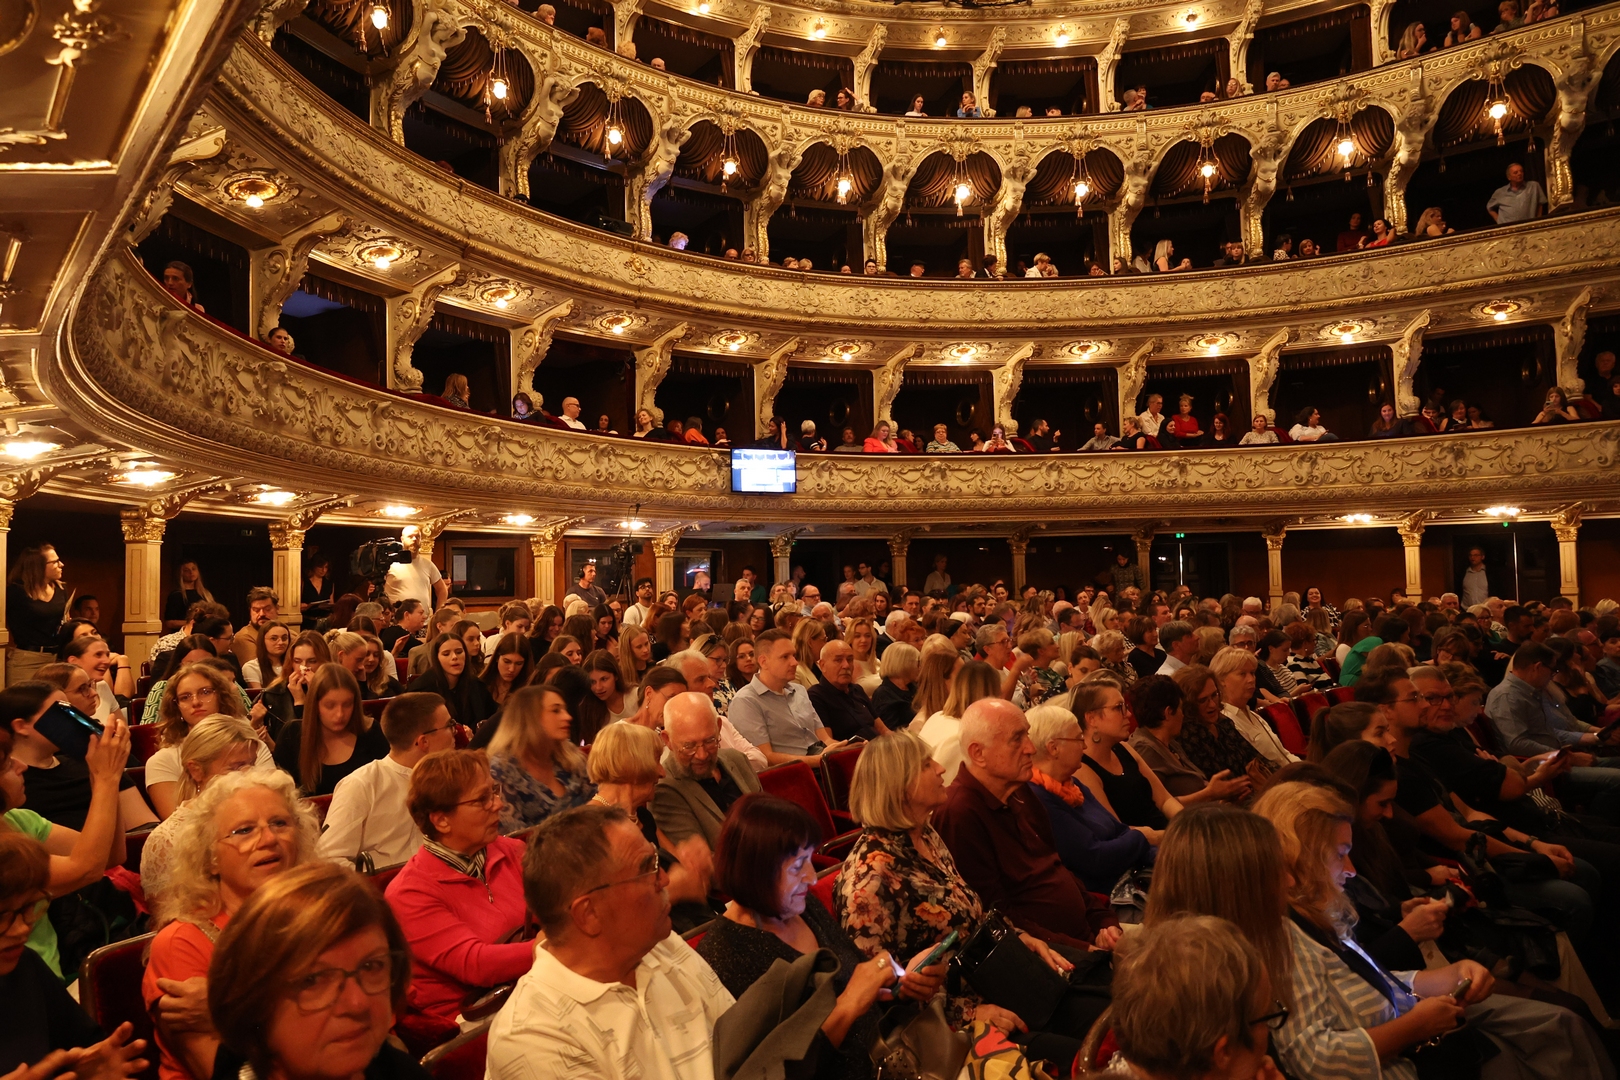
x=455, y=926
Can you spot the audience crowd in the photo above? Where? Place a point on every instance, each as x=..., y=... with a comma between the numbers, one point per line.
x=1112, y=826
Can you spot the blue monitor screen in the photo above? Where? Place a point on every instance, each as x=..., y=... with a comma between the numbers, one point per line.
x=769, y=472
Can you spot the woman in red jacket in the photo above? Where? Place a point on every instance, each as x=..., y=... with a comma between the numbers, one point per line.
x=460, y=898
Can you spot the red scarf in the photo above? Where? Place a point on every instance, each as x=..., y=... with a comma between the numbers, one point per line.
x=1069, y=792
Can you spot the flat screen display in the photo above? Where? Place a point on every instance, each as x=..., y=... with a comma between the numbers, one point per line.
x=763, y=472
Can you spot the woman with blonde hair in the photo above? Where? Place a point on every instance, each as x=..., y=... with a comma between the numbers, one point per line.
x=942, y=731
x=457, y=391
x=377, y=675
x=1353, y=1016
x=1113, y=647
x=539, y=769
x=195, y=693
x=860, y=636
x=217, y=746
x=934, y=677
x=808, y=638
x=1234, y=670
x=898, y=671
x=334, y=738
x=243, y=830
x=635, y=653
x=348, y=650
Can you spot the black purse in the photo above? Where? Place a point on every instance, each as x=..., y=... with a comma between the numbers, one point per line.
x=1004, y=971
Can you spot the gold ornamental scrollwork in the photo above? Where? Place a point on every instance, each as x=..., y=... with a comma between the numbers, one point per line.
x=140, y=527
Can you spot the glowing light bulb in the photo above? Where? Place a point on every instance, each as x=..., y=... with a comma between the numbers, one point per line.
x=844, y=188
x=1346, y=148
x=818, y=31
x=734, y=346
x=501, y=303
x=498, y=88
x=382, y=262
x=1191, y=18
x=617, y=328
x=1081, y=189
x=963, y=192
x=1207, y=169
x=1498, y=110
x=379, y=17
x=1347, y=338
x=847, y=355
x=729, y=167
x=28, y=449
x=940, y=40
x=614, y=136
x=703, y=9
x=1062, y=39
x=1500, y=316
x=254, y=201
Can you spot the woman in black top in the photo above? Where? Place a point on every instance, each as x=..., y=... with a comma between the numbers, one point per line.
x=892, y=700
x=1111, y=768
x=317, y=587
x=191, y=591
x=762, y=860
x=36, y=603
x=334, y=738
x=447, y=675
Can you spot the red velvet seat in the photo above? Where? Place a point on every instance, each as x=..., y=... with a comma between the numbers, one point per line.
x=374, y=708
x=462, y=1058
x=134, y=844
x=143, y=742
x=379, y=878
x=1306, y=706
x=1286, y=724
x=796, y=782
x=1340, y=694
x=321, y=803
x=110, y=991
x=826, y=882
x=837, y=772
x=143, y=685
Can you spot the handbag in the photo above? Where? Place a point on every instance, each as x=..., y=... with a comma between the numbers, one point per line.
x=1004, y=971
x=916, y=1042
x=1129, y=895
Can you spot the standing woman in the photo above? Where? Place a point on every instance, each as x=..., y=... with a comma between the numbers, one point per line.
x=271, y=653
x=36, y=604
x=508, y=667
x=191, y=590
x=539, y=769
x=447, y=676
x=741, y=667
x=546, y=628
x=1185, y=426
x=196, y=693
x=335, y=737
x=635, y=654
x=609, y=701
x=863, y=639
x=317, y=587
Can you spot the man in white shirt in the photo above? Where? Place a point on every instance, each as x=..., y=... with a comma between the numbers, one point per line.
x=514, y=620
x=368, y=814
x=614, y=994
x=1180, y=646
x=418, y=579
x=1153, y=419
x=640, y=612
x=1476, y=586
x=570, y=414
x=867, y=582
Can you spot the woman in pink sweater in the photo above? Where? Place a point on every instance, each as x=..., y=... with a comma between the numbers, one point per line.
x=460, y=898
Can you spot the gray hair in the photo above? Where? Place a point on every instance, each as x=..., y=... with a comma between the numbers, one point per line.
x=808, y=427
x=679, y=661
x=1172, y=632
x=1241, y=631
x=568, y=855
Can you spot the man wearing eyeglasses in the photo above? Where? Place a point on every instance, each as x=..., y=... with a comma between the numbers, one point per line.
x=614, y=993
x=368, y=818
x=701, y=778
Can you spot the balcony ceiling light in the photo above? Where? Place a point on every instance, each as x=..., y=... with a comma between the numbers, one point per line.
x=395, y=510
x=275, y=497
x=145, y=474
x=519, y=519
x=1503, y=511
x=29, y=449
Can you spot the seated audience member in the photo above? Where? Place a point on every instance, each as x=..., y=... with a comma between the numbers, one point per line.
x=1001, y=836
x=1529, y=721
x=76, y=857
x=243, y=830
x=216, y=746
x=880, y=441
x=968, y=109
x=1259, y=433
x=974, y=681
x=1431, y=223
x=177, y=282
x=1233, y=253
x=448, y=674
x=368, y=821
x=1221, y=435
x=1331, y=971
x=1160, y=712
x=1164, y=261
x=595, y=885
x=1132, y=437
x=809, y=443
x=1109, y=767
x=1234, y=670
x=1557, y=409
x=283, y=700
x=941, y=442
x=1193, y=999
x=816, y=99
x=1092, y=842
x=1180, y=646
x=90, y=654
x=1517, y=200
x=1351, y=238
x=1100, y=439
x=898, y=671
x=1308, y=249
x=774, y=711
x=522, y=410
x=188, y=649
x=460, y=897
x=595, y=35
x=762, y=861
x=702, y=778
x=1508, y=12
x=195, y=693
x=457, y=391
x=46, y=1030
x=840, y=703
x=280, y=994
x=900, y=890
x=335, y=738
x=271, y=651
x=1308, y=427
x=847, y=443
x=534, y=761
x=1383, y=234
x=1302, y=664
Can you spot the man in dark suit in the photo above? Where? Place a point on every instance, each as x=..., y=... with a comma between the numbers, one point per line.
x=701, y=780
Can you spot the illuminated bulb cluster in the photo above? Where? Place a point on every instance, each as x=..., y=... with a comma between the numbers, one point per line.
x=818, y=31
x=844, y=188
x=940, y=40
x=29, y=449
x=274, y=497
x=519, y=519
x=632, y=524
x=614, y=136
x=379, y=16
x=1356, y=519
x=729, y=167
x=1503, y=511
x=498, y=88
x=1062, y=37
x=147, y=475
x=1081, y=190
x=397, y=511
x=1347, y=147
x=1498, y=110
x=1207, y=170
x=703, y=9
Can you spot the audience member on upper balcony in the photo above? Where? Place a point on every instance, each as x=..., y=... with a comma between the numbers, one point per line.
x=880, y=441
x=969, y=109
x=1132, y=101
x=749, y=256
x=1517, y=200
x=1382, y=234
x=1284, y=250
x=817, y=99
x=1353, y=236
x=1220, y=433
x=916, y=106
x=177, y=282
x=1259, y=433
x=1308, y=427
x=523, y=407
x=546, y=14
x=964, y=269
x=678, y=240
x=1188, y=432
x=941, y=442
x=1043, y=268
x=644, y=424
x=1431, y=223
x=1556, y=409
x=692, y=432
x=809, y=442
x=570, y=414
x=1163, y=252
x=1538, y=10
x=1308, y=249
x=1275, y=81
x=597, y=36
x=1462, y=29
x=1414, y=42
x=1456, y=418
x=1150, y=421
x=776, y=435
x=1134, y=438
x=991, y=271
x=918, y=268
x=1511, y=19
x=280, y=341
x=1042, y=437
x=1100, y=440
x=848, y=444
x=1053, y=110
x=844, y=99
x=627, y=50
x=1387, y=426
x=997, y=443
x=456, y=391
x=1232, y=254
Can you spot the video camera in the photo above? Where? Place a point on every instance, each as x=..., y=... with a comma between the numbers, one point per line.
x=372, y=559
x=619, y=572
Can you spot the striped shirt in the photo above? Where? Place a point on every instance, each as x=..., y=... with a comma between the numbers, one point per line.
x=1325, y=1037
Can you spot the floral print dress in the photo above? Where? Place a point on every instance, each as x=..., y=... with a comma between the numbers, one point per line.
x=528, y=801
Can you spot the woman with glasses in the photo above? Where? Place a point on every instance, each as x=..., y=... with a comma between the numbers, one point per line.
x=216, y=747
x=198, y=692
x=243, y=830
x=1092, y=842
x=307, y=982
x=36, y=604
x=1110, y=767
x=460, y=897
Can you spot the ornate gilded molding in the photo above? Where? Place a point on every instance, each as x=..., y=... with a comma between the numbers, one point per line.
x=544, y=540
x=1569, y=335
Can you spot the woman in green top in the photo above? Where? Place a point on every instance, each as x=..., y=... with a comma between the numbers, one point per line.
x=77, y=858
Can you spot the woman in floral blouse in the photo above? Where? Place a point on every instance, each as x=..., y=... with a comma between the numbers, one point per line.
x=899, y=889
x=539, y=770
x=1208, y=738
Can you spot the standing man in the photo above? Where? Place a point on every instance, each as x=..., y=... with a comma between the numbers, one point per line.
x=1517, y=200
x=1125, y=574
x=639, y=612
x=586, y=587
x=418, y=579
x=1476, y=588
x=866, y=582
x=263, y=605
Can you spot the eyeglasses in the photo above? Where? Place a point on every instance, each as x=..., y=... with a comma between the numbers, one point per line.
x=711, y=745
x=245, y=836
x=1274, y=1019
x=489, y=800
x=650, y=868
x=1438, y=699
x=319, y=989
x=205, y=694
x=29, y=913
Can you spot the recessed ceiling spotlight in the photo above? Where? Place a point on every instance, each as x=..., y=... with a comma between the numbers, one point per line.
x=395, y=510
x=383, y=254
x=29, y=449
x=1499, y=310
x=940, y=40
x=275, y=497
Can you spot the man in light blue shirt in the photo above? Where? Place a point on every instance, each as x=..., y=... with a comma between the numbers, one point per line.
x=1529, y=723
x=1517, y=200
x=773, y=712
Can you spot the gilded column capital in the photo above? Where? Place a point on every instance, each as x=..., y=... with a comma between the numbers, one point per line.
x=1018, y=541
x=1566, y=522
x=900, y=542
x=302, y=517
x=430, y=529
x=544, y=540
x=1274, y=532
x=782, y=543
x=7, y=508
x=664, y=543
x=1411, y=527
x=141, y=527
x=286, y=537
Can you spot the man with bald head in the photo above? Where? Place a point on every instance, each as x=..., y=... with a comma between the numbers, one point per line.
x=1001, y=837
x=698, y=671
x=701, y=778
x=843, y=706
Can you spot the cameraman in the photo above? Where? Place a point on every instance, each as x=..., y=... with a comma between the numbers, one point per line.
x=417, y=579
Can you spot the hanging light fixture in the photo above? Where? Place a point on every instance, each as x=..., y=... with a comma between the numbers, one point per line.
x=379, y=16
x=843, y=178
x=498, y=88
x=730, y=164
x=613, y=131
x=1208, y=168
x=1344, y=146
x=961, y=191
x=1496, y=106
x=1080, y=183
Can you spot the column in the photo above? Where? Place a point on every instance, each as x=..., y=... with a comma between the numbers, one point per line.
x=1566, y=523
x=782, y=555
x=287, y=571
x=543, y=546
x=899, y=544
x=1411, y=530
x=143, y=582
x=1274, y=534
x=664, y=557
x=1019, y=546
x=1143, y=537
x=6, y=508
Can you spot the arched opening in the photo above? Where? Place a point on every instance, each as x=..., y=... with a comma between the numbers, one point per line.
x=812, y=223
x=1174, y=74
x=702, y=200
x=930, y=230
x=475, y=100
x=1469, y=164
x=582, y=176
x=790, y=74
x=685, y=51
x=1053, y=225
x=897, y=83
x=1060, y=86
x=1177, y=211
x=1313, y=49
x=1323, y=187
x=1595, y=164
